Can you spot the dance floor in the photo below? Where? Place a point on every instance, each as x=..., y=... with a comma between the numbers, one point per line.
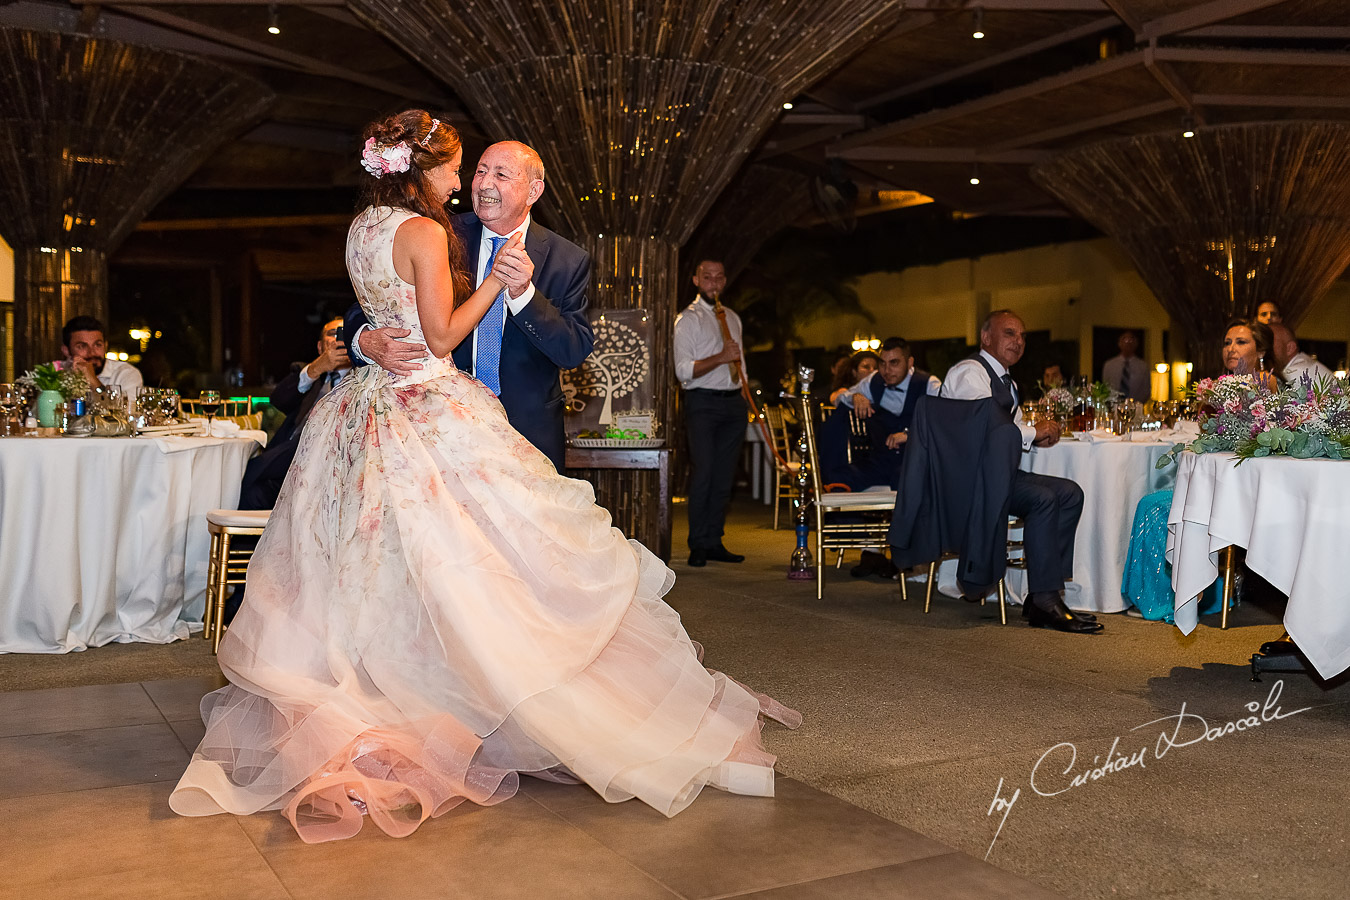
x=913, y=725
x=85, y=774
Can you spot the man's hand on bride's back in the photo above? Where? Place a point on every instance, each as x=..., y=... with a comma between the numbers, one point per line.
x=381, y=346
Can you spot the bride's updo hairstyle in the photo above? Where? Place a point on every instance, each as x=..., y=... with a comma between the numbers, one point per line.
x=398, y=153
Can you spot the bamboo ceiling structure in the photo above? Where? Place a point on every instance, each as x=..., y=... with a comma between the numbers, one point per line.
x=94, y=133
x=1221, y=221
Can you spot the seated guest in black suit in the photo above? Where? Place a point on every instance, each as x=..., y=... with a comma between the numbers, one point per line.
x=885, y=401
x=295, y=396
x=1049, y=507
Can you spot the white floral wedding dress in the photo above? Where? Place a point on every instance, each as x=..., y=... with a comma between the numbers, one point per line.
x=433, y=610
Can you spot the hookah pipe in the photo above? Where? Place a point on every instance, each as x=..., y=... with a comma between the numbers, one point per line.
x=738, y=378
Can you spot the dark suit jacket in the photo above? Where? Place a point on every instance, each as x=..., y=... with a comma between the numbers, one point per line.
x=265, y=472
x=955, y=483
x=551, y=334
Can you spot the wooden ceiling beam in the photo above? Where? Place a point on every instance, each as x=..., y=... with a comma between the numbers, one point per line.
x=992, y=101
x=1090, y=28
x=282, y=57
x=1241, y=57
x=1200, y=16
x=1274, y=32
x=1273, y=100
x=241, y=223
x=1014, y=5
x=942, y=155
x=1084, y=125
x=800, y=141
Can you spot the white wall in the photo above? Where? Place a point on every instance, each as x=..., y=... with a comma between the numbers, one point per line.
x=1066, y=288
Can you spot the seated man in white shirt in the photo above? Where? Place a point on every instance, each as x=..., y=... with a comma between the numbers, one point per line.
x=1048, y=507
x=1291, y=363
x=86, y=351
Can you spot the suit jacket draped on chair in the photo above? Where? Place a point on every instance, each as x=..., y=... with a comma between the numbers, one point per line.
x=954, y=487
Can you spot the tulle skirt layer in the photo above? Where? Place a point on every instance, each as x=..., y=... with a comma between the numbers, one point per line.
x=433, y=610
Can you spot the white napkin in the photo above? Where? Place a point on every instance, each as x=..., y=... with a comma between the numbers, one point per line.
x=1096, y=436
x=224, y=428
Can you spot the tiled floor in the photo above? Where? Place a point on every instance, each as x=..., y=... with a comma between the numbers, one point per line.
x=86, y=772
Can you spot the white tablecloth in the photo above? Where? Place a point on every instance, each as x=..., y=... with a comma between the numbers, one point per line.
x=104, y=539
x=1291, y=515
x=1114, y=476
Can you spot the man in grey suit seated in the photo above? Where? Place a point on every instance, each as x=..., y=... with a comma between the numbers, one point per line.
x=1049, y=507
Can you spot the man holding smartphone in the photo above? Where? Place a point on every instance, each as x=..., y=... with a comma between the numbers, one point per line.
x=295, y=396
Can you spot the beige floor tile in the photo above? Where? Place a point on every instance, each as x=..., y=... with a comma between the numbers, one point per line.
x=107, y=831
x=514, y=850
x=190, y=732
x=725, y=844
x=953, y=876
x=242, y=878
x=181, y=698
x=81, y=760
x=74, y=709
x=557, y=797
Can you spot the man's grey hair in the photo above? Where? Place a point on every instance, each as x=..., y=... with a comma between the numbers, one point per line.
x=994, y=314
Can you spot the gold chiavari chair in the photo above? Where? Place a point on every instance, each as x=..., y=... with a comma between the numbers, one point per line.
x=784, y=473
x=874, y=508
x=227, y=566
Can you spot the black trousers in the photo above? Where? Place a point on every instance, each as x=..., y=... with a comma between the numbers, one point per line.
x=715, y=422
x=1050, y=508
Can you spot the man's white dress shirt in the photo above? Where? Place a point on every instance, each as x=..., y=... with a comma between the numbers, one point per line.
x=892, y=398
x=124, y=375
x=1301, y=362
x=306, y=381
x=968, y=380
x=698, y=335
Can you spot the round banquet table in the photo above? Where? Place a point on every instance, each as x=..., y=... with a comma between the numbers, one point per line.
x=1290, y=515
x=104, y=539
x=1114, y=476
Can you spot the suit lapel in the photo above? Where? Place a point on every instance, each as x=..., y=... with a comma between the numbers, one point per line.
x=537, y=245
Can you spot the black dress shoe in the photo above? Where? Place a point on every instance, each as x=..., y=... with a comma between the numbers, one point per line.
x=722, y=554
x=873, y=563
x=1059, y=617
x=1079, y=614
x=698, y=558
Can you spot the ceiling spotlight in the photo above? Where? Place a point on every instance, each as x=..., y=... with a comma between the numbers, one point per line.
x=1188, y=127
x=978, y=31
x=787, y=105
x=273, y=26
x=974, y=173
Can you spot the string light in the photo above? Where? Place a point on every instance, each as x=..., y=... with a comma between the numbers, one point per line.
x=1188, y=127
x=273, y=24
x=978, y=33
x=787, y=105
x=974, y=173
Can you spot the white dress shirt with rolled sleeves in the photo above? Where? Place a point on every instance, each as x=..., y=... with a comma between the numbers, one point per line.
x=893, y=398
x=698, y=335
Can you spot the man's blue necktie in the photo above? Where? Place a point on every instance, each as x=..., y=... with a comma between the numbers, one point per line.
x=488, y=353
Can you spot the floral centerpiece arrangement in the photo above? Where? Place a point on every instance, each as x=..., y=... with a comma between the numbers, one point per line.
x=1059, y=400
x=1237, y=413
x=46, y=377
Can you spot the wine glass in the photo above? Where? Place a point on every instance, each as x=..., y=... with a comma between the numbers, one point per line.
x=10, y=400
x=209, y=401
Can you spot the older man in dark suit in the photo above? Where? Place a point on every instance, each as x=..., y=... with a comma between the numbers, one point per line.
x=538, y=325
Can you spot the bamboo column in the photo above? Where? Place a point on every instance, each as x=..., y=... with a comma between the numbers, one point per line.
x=1217, y=223
x=93, y=133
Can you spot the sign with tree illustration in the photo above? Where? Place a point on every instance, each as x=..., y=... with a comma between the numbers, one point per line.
x=616, y=379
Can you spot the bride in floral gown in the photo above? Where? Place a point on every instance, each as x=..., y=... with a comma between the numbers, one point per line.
x=433, y=609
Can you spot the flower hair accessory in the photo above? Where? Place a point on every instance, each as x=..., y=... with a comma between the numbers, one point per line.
x=435, y=123
x=380, y=160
